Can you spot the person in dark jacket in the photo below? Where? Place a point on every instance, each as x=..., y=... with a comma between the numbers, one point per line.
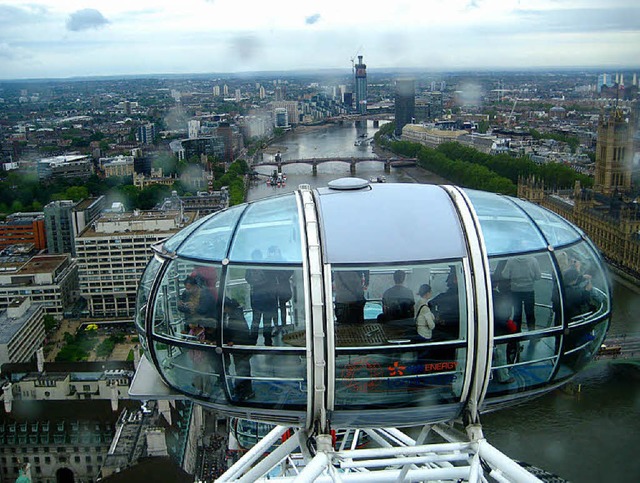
x=236, y=331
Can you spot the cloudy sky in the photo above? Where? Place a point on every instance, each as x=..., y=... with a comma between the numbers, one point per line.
x=64, y=38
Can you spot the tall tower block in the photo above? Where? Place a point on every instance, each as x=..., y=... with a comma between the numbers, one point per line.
x=613, y=154
x=405, y=103
x=361, y=86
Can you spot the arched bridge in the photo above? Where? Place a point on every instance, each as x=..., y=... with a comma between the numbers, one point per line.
x=314, y=162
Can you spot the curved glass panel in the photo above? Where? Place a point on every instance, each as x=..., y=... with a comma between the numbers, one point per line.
x=172, y=243
x=269, y=231
x=211, y=240
x=277, y=380
x=186, y=307
x=264, y=306
x=584, y=284
x=527, y=322
x=506, y=229
x=580, y=346
x=422, y=307
x=271, y=300
x=556, y=229
x=144, y=289
x=195, y=372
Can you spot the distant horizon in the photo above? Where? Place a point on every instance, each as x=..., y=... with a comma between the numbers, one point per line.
x=337, y=71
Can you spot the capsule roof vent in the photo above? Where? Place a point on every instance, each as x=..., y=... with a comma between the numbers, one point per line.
x=346, y=184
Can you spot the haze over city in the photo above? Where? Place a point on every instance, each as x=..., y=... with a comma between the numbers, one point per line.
x=51, y=39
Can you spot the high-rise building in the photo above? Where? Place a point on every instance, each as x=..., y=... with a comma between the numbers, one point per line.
x=216, y=90
x=146, y=133
x=614, y=153
x=65, y=219
x=405, y=103
x=361, y=86
x=262, y=92
x=281, y=118
x=225, y=90
x=293, y=110
x=238, y=95
x=112, y=254
x=194, y=128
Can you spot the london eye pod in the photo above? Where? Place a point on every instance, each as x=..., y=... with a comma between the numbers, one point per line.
x=299, y=318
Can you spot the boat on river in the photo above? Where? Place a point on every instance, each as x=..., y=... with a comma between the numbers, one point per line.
x=277, y=180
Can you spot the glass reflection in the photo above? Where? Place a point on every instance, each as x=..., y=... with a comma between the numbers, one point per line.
x=186, y=306
x=271, y=299
x=383, y=305
x=586, y=294
x=211, y=240
x=276, y=379
x=195, y=372
x=271, y=229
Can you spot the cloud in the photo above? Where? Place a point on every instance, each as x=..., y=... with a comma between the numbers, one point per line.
x=311, y=19
x=28, y=14
x=616, y=19
x=88, y=18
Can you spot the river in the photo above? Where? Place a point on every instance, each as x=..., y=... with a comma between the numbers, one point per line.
x=590, y=433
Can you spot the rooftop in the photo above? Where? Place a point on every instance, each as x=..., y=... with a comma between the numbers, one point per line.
x=9, y=326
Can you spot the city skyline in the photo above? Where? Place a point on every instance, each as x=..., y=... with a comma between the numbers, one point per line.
x=60, y=39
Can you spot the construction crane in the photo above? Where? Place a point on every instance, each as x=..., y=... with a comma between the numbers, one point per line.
x=353, y=65
x=511, y=114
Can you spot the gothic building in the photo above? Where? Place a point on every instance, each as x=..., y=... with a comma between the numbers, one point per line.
x=609, y=213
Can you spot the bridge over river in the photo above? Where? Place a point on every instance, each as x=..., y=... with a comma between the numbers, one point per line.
x=314, y=162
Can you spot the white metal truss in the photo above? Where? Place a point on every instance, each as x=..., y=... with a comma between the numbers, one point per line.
x=390, y=456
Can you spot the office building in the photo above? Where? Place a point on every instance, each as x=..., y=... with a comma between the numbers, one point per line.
x=65, y=219
x=208, y=145
x=405, y=104
x=23, y=228
x=360, y=81
x=21, y=330
x=281, y=118
x=50, y=280
x=293, y=110
x=67, y=166
x=112, y=253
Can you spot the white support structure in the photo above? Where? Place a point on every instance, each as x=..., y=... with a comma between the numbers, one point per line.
x=391, y=456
